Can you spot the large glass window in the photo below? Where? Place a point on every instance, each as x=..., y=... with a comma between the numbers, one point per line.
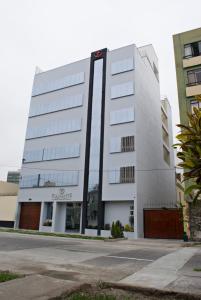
x=66, y=178
x=33, y=155
x=122, y=66
x=54, y=127
x=67, y=151
x=29, y=181
x=122, y=116
x=122, y=175
x=122, y=90
x=95, y=140
x=45, y=84
x=59, y=179
x=62, y=103
x=194, y=77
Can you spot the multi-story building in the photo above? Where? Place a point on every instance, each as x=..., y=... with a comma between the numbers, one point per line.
x=187, y=49
x=94, y=151
x=13, y=177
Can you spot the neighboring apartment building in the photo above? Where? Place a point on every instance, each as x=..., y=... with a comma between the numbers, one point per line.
x=13, y=177
x=94, y=151
x=187, y=49
x=8, y=201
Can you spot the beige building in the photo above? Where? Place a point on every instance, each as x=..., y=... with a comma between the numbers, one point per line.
x=8, y=198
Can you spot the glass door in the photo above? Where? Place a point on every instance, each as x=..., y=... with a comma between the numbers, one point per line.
x=73, y=216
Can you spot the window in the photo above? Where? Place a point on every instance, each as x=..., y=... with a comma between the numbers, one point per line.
x=127, y=143
x=54, y=127
x=62, y=152
x=127, y=175
x=34, y=155
x=193, y=49
x=194, y=77
x=165, y=137
x=95, y=145
x=66, y=178
x=122, y=66
x=196, y=104
x=122, y=90
x=122, y=116
x=59, y=179
x=52, y=153
x=122, y=175
x=122, y=144
x=62, y=103
x=166, y=155
x=49, y=210
x=29, y=181
x=45, y=85
x=131, y=210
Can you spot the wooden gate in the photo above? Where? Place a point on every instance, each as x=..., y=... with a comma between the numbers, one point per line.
x=30, y=216
x=163, y=224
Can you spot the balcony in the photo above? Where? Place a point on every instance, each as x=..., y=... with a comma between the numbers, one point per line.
x=191, y=61
x=193, y=89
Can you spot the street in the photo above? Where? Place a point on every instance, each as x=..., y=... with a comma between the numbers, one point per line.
x=136, y=262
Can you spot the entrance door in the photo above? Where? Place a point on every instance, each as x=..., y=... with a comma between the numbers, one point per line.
x=73, y=216
x=30, y=216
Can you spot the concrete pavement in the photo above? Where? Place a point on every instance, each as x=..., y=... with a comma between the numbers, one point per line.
x=160, y=273
x=63, y=263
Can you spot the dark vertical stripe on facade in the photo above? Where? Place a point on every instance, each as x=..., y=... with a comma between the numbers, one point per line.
x=94, y=56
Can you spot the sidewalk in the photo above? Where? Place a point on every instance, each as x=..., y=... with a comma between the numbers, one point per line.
x=164, y=273
x=36, y=287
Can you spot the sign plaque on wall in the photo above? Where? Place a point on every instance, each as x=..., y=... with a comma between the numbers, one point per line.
x=62, y=195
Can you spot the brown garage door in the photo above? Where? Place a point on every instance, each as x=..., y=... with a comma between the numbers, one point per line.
x=30, y=216
x=163, y=224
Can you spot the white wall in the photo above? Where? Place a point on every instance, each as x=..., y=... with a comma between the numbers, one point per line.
x=117, y=210
x=113, y=192
x=155, y=179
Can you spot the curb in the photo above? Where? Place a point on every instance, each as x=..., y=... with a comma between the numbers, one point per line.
x=152, y=292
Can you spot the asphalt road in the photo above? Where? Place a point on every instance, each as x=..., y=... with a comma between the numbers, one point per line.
x=77, y=259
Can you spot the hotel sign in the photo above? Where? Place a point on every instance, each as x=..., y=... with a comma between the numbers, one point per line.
x=62, y=195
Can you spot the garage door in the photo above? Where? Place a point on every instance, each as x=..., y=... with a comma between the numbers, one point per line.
x=163, y=224
x=30, y=216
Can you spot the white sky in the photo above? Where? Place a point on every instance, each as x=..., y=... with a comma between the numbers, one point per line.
x=50, y=33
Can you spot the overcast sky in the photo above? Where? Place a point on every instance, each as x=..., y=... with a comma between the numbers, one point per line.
x=50, y=33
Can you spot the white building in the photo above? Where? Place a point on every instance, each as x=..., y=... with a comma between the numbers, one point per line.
x=94, y=150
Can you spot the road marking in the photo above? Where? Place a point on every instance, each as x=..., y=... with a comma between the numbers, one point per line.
x=132, y=258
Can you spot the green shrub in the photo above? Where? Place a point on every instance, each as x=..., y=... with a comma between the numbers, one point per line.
x=128, y=228
x=117, y=230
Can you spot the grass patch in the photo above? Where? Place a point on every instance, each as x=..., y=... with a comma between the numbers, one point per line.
x=65, y=235
x=197, y=269
x=6, y=276
x=86, y=296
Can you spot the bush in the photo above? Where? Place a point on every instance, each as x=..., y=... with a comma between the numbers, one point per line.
x=117, y=230
x=128, y=228
x=47, y=222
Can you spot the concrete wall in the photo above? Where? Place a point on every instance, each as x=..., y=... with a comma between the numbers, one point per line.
x=154, y=178
x=7, y=208
x=117, y=211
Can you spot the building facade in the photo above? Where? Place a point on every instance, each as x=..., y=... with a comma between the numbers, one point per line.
x=13, y=177
x=187, y=49
x=8, y=200
x=94, y=149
